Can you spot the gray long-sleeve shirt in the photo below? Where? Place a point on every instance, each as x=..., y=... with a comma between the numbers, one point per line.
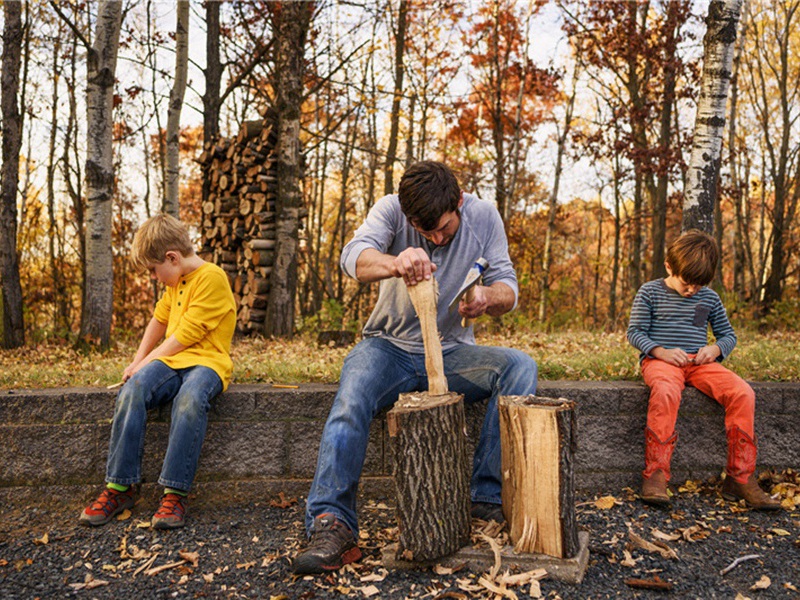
x=660, y=316
x=387, y=230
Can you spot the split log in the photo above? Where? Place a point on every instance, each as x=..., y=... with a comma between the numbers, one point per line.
x=424, y=297
x=427, y=434
x=538, y=438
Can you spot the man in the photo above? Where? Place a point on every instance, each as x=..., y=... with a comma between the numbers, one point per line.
x=430, y=228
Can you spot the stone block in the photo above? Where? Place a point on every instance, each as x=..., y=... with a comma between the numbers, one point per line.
x=245, y=451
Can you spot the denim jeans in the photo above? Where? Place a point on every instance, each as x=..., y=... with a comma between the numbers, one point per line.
x=374, y=374
x=191, y=391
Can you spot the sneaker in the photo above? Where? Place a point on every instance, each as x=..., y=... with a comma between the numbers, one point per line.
x=331, y=547
x=487, y=511
x=108, y=505
x=171, y=512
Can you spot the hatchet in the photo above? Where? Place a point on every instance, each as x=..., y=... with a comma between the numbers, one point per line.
x=467, y=290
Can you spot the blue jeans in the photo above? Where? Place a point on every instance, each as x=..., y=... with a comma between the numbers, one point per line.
x=191, y=391
x=374, y=374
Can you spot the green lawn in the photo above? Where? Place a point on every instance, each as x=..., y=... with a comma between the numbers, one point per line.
x=577, y=355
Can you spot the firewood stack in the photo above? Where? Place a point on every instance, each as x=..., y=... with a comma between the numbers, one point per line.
x=239, y=215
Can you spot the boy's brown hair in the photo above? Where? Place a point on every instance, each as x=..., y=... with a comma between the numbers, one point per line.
x=693, y=257
x=157, y=236
x=428, y=189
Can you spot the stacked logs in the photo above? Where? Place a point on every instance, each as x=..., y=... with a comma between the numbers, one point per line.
x=239, y=215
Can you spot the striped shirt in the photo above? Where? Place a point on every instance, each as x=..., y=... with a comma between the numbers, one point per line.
x=660, y=316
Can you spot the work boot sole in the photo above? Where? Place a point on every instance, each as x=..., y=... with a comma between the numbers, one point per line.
x=657, y=501
x=167, y=523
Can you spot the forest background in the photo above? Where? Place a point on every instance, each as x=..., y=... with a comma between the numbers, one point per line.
x=576, y=118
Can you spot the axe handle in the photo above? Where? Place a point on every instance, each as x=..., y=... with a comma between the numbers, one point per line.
x=468, y=296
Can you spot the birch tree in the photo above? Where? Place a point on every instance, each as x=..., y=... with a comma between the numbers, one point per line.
x=13, y=325
x=703, y=168
x=291, y=21
x=171, y=201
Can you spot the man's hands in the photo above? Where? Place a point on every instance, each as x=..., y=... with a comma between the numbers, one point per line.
x=477, y=306
x=413, y=265
x=679, y=358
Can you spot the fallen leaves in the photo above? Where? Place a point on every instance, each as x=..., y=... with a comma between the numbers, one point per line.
x=761, y=584
x=42, y=540
x=606, y=502
x=282, y=501
x=89, y=583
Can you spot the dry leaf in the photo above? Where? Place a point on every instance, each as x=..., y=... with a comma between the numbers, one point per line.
x=246, y=566
x=742, y=597
x=369, y=590
x=660, y=547
x=440, y=570
x=761, y=584
x=789, y=586
x=42, y=540
x=283, y=501
x=379, y=576
x=208, y=577
x=775, y=530
x=183, y=580
x=124, y=515
x=694, y=533
x=629, y=561
x=665, y=537
x=190, y=557
x=143, y=524
x=605, y=502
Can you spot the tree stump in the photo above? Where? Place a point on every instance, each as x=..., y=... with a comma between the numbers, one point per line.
x=431, y=474
x=427, y=433
x=538, y=437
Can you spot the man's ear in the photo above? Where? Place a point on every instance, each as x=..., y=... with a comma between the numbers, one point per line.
x=669, y=269
x=461, y=199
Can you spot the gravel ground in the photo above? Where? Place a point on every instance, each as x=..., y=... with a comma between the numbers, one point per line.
x=242, y=550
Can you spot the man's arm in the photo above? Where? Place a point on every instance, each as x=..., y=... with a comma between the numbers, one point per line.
x=412, y=264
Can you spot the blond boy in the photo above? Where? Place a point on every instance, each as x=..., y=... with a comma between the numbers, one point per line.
x=194, y=322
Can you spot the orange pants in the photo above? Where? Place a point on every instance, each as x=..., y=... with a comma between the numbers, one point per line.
x=666, y=382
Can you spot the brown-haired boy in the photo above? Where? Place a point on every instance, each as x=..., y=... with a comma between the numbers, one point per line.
x=669, y=325
x=197, y=316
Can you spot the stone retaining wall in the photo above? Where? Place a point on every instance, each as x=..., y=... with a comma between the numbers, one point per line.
x=257, y=432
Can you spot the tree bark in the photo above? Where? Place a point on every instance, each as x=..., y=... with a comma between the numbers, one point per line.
x=431, y=474
x=13, y=324
x=172, y=200
x=538, y=438
x=213, y=77
x=291, y=22
x=399, y=50
x=98, y=294
x=703, y=169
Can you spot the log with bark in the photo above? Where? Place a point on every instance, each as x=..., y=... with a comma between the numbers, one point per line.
x=538, y=438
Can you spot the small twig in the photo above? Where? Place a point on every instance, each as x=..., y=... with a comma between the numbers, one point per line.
x=146, y=565
x=166, y=567
x=114, y=385
x=738, y=561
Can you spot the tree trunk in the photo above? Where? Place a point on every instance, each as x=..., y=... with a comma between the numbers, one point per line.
x=98, y=295
x=291, y=22
x=399, y=50
x=213, y=77
x=538, y=437
x=172, y=200
x=718, y=49
x=431, y=474
x=13, y=324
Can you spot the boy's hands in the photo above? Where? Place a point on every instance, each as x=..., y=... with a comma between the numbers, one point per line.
x=707, y=354
x=673, y=356
x=679, y=358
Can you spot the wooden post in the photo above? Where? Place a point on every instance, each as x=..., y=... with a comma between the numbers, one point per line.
x=538, y=437
x=427, y=433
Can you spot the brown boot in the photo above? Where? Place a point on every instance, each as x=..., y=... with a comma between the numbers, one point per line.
x=742, y=465
x=654, y=489
x=657, y=458
x=750, y=492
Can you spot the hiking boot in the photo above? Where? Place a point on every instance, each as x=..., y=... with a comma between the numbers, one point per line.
x=108, y=505
x=654, y=489
x=332, y=546
x=171, y=512
x=488, y=512
x=750, y=492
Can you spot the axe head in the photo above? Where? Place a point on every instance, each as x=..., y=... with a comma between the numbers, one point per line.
x=472, y=278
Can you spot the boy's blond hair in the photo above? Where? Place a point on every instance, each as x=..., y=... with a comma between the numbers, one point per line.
x=157, y=236
x=693, y=257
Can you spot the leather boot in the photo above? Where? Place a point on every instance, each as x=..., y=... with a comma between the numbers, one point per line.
x=742, y=465
x=657, y=458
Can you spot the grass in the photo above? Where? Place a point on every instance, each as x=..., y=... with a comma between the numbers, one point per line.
x=575, y=355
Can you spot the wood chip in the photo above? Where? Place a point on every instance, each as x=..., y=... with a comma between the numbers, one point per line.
x=656, y=583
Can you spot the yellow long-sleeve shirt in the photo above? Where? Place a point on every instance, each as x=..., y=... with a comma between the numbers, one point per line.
x=201, y=312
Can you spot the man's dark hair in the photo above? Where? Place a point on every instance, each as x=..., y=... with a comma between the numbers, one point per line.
x=693, y=257
x=428, y=189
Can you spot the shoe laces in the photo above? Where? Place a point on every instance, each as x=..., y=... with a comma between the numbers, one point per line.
x=329, y=535
x=172, y=505
x=107, y=501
